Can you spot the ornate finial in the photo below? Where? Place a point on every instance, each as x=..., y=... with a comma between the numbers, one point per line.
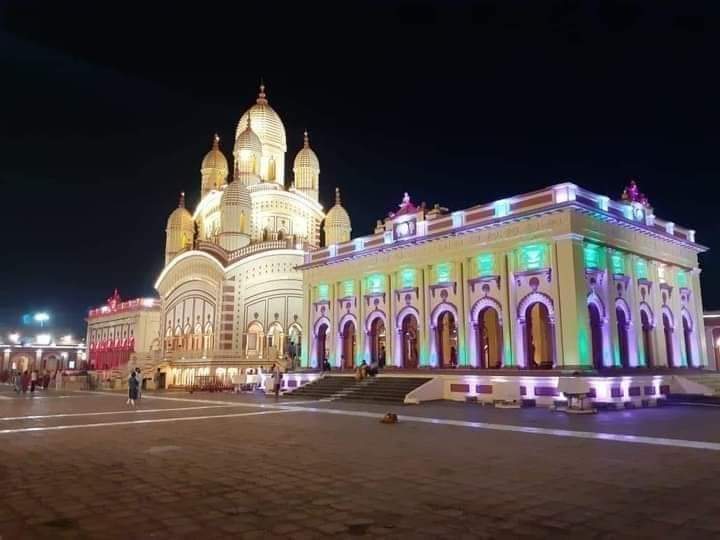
x=306, y=140
x=337, y=196
x=632, y=194
x=406, y=198
x=216, y=141
x=262, y=98
x=181, y=203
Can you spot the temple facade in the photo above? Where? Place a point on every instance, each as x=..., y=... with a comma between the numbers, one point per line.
x=558, y=278
x=231, y=295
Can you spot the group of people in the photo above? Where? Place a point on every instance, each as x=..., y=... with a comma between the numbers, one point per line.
x=34, y=380
x=364, y=370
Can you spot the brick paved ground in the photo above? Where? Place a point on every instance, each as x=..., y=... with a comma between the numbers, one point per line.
x=304, y=474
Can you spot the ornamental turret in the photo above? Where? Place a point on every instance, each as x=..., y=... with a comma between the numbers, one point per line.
x=214, y=169
x=179, y=232
x=337, y=223
x=306, y=169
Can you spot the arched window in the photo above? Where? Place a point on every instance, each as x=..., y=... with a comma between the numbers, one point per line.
x=539, y=337
x=208, y=338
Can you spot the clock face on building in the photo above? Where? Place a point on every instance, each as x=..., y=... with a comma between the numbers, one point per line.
x=404, y=229
x=638, y=213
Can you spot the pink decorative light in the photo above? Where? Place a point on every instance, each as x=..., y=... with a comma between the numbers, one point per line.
x=632, y=193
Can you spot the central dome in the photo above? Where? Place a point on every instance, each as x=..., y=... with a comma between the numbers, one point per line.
x=265, y=122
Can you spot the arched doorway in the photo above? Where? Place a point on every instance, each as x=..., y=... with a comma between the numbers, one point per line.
x=276, y=339
x=668, y=333
x=348, y=345
x=687, y=339
x=294, y=340
x=447, y=340
x=321, y=344
x=596, y=335
x=622, y=332
x=377, y=341
x=648, y=351
x=538, y=337
x=489, y=336
x=409, y=329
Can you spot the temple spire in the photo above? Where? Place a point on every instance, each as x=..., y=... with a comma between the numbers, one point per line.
x=216, y=142
x=337, y=196
x=262, y=98
x=306, y=140
x=181, y=203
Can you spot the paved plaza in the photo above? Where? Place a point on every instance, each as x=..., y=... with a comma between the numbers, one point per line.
x=80, y=465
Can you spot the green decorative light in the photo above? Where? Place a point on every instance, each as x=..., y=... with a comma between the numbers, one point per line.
x=682, y=279
x=617, y=263
x=532, y=257
x=408, y=278
x=593, y=256
x=485, y=264
x=348, y=288
x=375, y=283
x=323, y=291
x=443, y=272
x=641, y=268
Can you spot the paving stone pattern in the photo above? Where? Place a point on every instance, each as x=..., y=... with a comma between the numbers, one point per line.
x=314, y=475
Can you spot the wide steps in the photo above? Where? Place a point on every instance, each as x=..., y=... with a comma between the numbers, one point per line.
x=325, y=387
x=710, y=380
x=385, y=389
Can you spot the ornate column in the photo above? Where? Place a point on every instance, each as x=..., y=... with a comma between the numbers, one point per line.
x=699, y=338
x=572, y=315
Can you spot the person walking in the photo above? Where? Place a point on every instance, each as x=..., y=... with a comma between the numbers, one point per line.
x=138, y=375
x=24, y=381
x=132, y=390
x=277, y=378
x=33, y=380
x=58, y=379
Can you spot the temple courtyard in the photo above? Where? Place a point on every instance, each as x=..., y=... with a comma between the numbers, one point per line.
x=205, y=465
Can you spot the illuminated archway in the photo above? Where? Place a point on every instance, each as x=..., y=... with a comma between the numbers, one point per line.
x=409, y=335
x=687, y=337
x=668, y=332
x=377, y=339
x=648, y=324
x=348, y=348
x=489, y=338
x=622, y=316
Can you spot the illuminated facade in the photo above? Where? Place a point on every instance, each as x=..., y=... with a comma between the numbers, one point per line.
x=558, y=278
x=231, y=293
x=124, y=334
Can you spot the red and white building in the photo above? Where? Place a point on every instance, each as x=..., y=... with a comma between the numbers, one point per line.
x=123, y=333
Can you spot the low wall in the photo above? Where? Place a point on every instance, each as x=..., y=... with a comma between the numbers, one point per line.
x=544, y=390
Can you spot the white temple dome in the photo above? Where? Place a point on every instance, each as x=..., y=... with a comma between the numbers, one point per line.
x=306, y=157
x=247, y=139
x=180, y=218
x=236, y=194
x=337, y=216
x=265, y=122
x=215, y=159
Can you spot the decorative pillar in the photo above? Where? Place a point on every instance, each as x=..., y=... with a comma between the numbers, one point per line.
x=699, y=338
x=424, y=355
x=508, y=301
x=390, y=308
x=572, y=311
x=460, y=281
x=399, y=347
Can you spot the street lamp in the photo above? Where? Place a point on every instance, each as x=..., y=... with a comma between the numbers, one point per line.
x=14, y=337
x=41, y=317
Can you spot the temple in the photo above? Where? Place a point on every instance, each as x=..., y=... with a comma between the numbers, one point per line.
x=560, y=278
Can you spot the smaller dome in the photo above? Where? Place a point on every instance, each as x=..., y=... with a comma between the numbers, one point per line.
x=236, y=194
x=337, y=216
x=306, y=157
x=180, y=217
x=248, y=140
x=215, y=159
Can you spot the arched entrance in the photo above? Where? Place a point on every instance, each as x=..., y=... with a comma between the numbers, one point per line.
x=646, y=324
x=409, y=329
x=622, y=332
x=348, y=345
x=538, y=337
x=447, y=340
x=668, y=333
x=687, y=339
x=276, y=339
x=596, y=335
x=489, y=336
x=321, y=344
x=378, y=341
x=294, y=340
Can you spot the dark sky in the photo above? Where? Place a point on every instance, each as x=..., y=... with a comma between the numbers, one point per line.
x=108, y=108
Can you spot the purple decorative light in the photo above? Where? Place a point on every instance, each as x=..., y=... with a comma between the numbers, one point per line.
x=632, y=193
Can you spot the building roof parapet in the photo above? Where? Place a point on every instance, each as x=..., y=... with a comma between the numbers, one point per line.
x=637, y=215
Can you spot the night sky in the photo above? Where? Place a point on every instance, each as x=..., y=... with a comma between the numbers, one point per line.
x=108, y=108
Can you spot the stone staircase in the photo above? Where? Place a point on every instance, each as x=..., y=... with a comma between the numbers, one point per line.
x=383, y=389
x=706, y=390
x=379, y=389
x=324, y=388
